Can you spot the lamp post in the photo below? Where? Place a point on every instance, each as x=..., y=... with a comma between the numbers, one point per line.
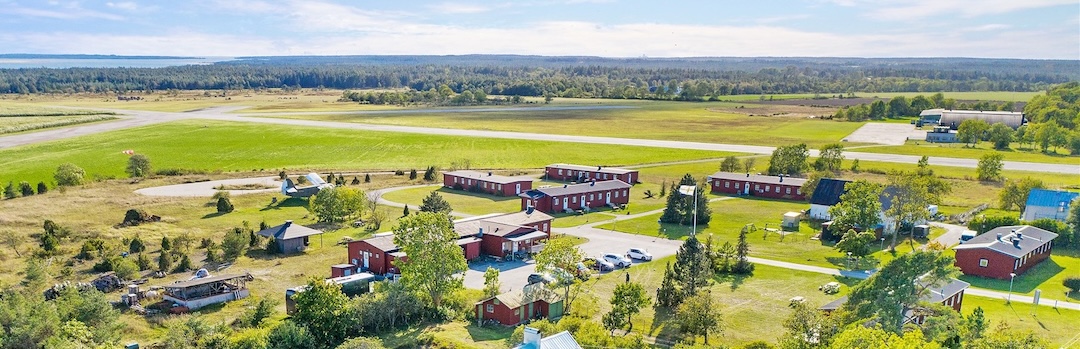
x=1008, y=299
x=882, y=248
x=849, y=261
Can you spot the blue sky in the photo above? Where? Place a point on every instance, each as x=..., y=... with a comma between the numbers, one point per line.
x=610, y=28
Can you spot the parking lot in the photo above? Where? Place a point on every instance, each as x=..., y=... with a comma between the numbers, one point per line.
x=514, y=274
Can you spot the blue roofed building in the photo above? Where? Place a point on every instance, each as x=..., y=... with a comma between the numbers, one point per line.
x=1052, y=204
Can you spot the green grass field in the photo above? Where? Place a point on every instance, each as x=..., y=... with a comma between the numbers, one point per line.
x=753, y=308
x=1058, y=326
x=1003, y=96
x=33, y=123
x=956, y=150
x=228, y=146
x=1047, y=276
x=17, y=109
x=656, y=120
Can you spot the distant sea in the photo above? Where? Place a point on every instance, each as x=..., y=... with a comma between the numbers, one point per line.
x=60, y=63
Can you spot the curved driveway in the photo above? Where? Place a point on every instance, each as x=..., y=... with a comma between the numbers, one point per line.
x=140, y=118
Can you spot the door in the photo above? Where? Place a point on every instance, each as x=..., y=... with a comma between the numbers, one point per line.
x=746, y=188
x=608, y=197
x=367, y=256
x=517, y=188
x=565, y=203
x=583, y=201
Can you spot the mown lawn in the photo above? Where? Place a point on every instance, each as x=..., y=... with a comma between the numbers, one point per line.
x=753, y=307
x=655, y=120
x=1058, y=326
x=957, y=150
x=234, y=146
x=1047, y=276
x=460, y=200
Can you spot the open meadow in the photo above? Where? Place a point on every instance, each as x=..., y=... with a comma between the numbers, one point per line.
x=229, y=146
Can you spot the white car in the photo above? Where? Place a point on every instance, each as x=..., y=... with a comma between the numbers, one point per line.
x=639, y=254
x=617, y=260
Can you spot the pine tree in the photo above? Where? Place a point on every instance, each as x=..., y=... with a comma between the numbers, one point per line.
x=367, y=178
x=164, y=261
x=673, y=210
x=166, y=244
x=253, y=239
x=692, y=268
x=356, y=181
x=42, y=188
x=663, y=189
x=667, y=295
x=429, y=174
x=412, y=174
x=405, y=212
x=9, y=191
x=742, y=263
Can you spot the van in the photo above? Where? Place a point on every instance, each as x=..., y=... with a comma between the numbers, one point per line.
x=967, y=235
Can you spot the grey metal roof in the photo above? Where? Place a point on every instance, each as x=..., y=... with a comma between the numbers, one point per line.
x=203, y=281
x=955, y=117
x=573, y=189
x=828, y=191
x=933, y=295
x=599, y=169
x=759, y=178
x=289, y=230
x=489, y=177
x=522, y=218
x=561, y=340
x=1029, y=239
x=384, y=243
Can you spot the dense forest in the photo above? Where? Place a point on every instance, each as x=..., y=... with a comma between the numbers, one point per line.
x=680, y=79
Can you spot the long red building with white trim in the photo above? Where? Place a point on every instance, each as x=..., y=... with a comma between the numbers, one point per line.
x=573, y=197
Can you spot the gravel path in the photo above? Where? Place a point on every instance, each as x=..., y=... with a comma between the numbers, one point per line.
x=206, y=189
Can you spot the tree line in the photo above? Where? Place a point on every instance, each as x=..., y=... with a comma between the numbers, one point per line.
x=664, y=79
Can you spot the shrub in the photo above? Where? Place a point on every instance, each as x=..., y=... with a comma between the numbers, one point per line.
x=399, y=173
x=367, y=178
x=136, y=245
x=224, y=205
x=9, y=191
x=356, y=181
x=144, y=262
x=26, y=189
x=412, y=174
x=179, y=172
x=138, y=166
x=164, y=261
x=42, y=188
x=234, y=244
x=1072, y=283
x=68, y=174
x=984, y=224
x=134, y=217
x=185, y=263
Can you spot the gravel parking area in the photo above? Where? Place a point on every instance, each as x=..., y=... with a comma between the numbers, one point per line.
x=206, y=189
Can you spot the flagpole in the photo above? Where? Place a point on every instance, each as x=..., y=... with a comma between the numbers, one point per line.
x=694, y=232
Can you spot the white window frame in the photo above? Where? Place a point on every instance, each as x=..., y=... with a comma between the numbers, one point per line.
x=726, y=184
x=983, y=262
x=491, y=308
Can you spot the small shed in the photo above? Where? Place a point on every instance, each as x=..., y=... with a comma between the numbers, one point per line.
x=518, y=306
x=791, y=220
x=290, y=238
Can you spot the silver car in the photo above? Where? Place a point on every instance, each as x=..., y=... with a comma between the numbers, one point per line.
x=618, y=260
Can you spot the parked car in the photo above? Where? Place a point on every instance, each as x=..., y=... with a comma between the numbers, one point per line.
x=639, y=254
x=617, y=260
x=538, y=278
x=599, y=264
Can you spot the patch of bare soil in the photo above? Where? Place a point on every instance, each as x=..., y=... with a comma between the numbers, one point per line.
x=778, y=110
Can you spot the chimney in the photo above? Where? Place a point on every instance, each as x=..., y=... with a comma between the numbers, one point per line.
x=592, y=183
x=1016, y=242
x=288, y=223
x=481, y=233
x=564, y=185
x=1019, y=235
x=748, y=175
x=598, y=168
x=489, y=174
x=999, y=236
x=532, y=336
x=781, y=178
x=529, y=210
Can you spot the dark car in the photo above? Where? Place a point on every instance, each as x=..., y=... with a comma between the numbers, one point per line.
x=538, y=278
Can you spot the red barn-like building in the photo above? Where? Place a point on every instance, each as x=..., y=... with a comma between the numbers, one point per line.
x=497, y=235
x=1004, y=250
x=487, y=182
x=579, y=173
x=577, y=196
x=776, y=187
x=515, y=307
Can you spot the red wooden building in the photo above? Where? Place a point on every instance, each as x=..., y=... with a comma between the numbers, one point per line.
x=506, y=234
x=496, y=235
x=1004, y=250
x=579, y=173
x=776, y=187
x=512, y=308
x=486, y=182
x=950, y=294
x=573, y=197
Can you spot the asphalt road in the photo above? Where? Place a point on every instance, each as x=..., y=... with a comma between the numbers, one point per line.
x=141, y=118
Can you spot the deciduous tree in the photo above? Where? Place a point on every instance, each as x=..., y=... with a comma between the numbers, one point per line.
x=138, y=166
x=1001, y=135
x=321, y=310
x=491, y=282
x=560, y=257
x=971, y=131
x=730, y=164
x=67, y=174
x=627, y=300
x=989, y=167
x=336, y=204
x=856, y=243
x=909, y=196
x=830, y=158
x=429, y=241
x=696, y=316
x=897, y=286
x=789, y=160
x=859, y=206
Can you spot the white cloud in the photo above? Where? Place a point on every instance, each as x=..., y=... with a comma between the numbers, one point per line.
x=70, y=10
x=784, y=18
x=124, y=5
x=987, y=27
x=901, y=10
x=458, y=8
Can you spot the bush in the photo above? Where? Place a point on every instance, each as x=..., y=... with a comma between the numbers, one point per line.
x=178, y=172
x=1072, y=283
x=25, y=189
x=68, y=174
x=985, y=224
x=224, y=205
x=138, y=166
x=134, y=217
x=42, y=188
x=136, y=245
x=185, y=264
x=412, y=174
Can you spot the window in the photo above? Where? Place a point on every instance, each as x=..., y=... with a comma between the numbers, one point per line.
x=787, y=190
x=517, y=311
x=983, y=262
x=590, y=196
x=778, y=189
x=1016, y=264
x=757, y=187
x=798, y=191
x=626, y=192
x=574, y=199
x=616, y=193
x=560, y=171
x=455, y=179
x=766, y=189
x=556, y=201
x=491, y=308
x=726, y=184
x=376, y=256
x=737, y=185
x=545, y=227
